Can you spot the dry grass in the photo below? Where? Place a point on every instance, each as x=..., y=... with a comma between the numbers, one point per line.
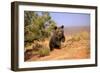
x=75, y=47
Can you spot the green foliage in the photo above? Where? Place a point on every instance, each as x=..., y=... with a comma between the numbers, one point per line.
x=38, y=25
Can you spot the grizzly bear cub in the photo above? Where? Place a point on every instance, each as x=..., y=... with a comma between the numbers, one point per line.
x=56, y=38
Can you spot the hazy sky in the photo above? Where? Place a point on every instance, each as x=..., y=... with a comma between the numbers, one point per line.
x=71, y=19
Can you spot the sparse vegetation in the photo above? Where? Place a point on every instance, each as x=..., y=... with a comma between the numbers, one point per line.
x=75, y=47
x=37, y=30
x=37, y=50
x=79, y=36
x=44, y=51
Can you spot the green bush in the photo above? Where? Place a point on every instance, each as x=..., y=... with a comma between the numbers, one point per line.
x=38, y=25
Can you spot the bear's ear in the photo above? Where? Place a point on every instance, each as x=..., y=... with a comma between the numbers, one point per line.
x=55, y=27
x=62, y=26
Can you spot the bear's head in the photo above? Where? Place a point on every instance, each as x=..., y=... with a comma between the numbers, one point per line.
x=59, y=33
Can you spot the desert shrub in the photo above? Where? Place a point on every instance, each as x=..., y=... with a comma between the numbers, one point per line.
x=44, y=51
x=84, y=35
x=34, y=52
x=40, y=49
x=28, y=54
x=80, y=36
x=38, y=26
x=36, y=46
x=27, y=43
x=76, y=37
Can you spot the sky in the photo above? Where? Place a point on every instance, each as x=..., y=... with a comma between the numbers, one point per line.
x=71, y=19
